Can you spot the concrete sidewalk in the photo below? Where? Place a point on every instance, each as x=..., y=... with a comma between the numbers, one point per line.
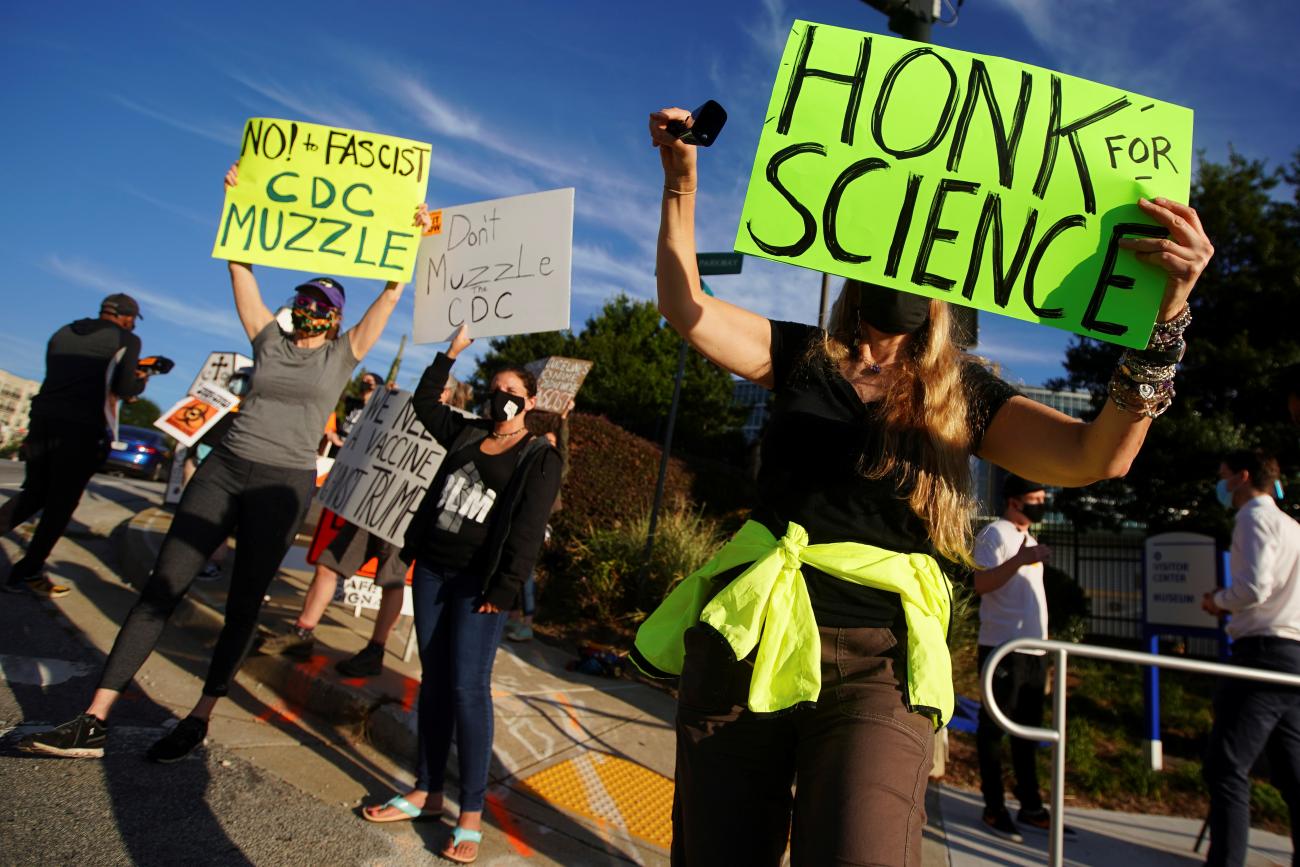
x=582, y=771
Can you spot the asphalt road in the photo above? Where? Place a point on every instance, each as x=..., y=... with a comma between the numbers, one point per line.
x=216, y=807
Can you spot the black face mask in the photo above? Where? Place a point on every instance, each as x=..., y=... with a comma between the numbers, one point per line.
x=503, y=406
x=890, y=311
x=1034, y=511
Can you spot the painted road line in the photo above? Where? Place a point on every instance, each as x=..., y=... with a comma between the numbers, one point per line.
x=36, y=671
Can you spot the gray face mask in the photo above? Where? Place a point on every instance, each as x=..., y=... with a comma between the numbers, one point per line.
x=890, y=311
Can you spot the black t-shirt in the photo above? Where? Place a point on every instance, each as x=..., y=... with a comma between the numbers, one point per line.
x=467, y=487
x=818, y=441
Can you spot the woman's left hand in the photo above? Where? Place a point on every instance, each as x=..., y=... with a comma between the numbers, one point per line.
x=460, y=342
x=422, y=218
x=1183, y=255
x=488, y=608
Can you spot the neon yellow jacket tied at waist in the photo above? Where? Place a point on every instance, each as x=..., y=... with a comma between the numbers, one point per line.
x=767, y=605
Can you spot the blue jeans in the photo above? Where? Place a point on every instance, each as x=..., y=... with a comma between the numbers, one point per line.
x=1251, y=719
x=528, y=595
x=457, y=648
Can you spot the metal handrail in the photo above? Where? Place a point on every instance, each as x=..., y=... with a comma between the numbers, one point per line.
x=1061, y=650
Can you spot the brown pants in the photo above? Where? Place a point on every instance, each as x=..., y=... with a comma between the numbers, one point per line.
x=859, y=759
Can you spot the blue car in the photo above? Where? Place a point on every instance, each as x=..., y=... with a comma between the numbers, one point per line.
x=143, y=453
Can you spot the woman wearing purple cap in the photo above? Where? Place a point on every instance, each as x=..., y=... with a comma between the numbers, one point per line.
x=256, y=483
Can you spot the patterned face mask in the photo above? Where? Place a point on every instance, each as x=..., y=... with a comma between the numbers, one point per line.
x=311, y=318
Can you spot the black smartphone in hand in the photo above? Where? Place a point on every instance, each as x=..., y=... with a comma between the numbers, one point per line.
x=708, y=122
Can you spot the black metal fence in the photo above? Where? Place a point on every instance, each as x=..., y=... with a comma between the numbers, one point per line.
x=1108, y=566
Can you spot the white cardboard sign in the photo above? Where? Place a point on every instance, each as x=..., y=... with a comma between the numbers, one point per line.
x=558, y=380
x=219, y=367
x=503, y=266
x=194, y=415
x=381, y=474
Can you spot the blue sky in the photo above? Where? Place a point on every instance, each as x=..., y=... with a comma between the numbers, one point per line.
x=123, y=117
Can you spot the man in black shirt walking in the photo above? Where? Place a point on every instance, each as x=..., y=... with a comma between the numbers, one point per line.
x=88, y=364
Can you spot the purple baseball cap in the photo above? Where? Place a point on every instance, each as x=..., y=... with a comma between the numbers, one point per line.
x=327, y=286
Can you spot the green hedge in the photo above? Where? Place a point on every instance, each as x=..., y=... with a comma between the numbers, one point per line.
x=611, y=480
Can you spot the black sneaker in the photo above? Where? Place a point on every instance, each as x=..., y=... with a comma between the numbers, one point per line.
x=297, y=643
x=38, y=585
x=179, y=742
x=81, y=738
x=367, y=663
x=1041, y=820
x=999, y=822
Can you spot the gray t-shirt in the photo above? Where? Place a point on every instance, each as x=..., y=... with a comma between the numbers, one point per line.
x=281, y=420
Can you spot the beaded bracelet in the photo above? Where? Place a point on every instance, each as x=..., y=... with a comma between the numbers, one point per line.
x=1143, y=382
x=1144, y=399
x=1166, y=333
x=1140, y=371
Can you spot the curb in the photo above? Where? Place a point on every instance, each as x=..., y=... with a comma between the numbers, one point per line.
x=379, y=718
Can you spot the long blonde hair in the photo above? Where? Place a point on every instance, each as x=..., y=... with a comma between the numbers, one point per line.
x=927, y=432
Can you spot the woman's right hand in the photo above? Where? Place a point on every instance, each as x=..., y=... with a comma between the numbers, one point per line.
x=460, y=342
x=232, y=176
x=678, y=158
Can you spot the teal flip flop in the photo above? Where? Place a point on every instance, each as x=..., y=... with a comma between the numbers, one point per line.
x=463, y=835
x=409, y=811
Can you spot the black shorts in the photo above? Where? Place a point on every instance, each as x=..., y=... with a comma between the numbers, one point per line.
x=348, y=551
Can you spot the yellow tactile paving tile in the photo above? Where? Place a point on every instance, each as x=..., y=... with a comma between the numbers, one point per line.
x=611, y=790
x=644, y=798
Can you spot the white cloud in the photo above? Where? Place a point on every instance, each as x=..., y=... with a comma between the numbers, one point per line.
x=770, y=29
x=1009, y=354
x=211, y=131
x=322, y=107
x=1110, y=41
x=633, y=273
x=220, y=321
x=608, y=198
x=190, y=214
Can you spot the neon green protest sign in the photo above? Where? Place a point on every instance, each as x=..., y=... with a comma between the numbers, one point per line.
x=324, y=199
x=970, y=178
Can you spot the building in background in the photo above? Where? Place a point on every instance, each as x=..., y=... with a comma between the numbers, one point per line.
x=16, y=396
x=1073, y=403
x=988, y=478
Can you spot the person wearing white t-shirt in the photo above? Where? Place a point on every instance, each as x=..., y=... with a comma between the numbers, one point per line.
x=1264, y=600
x=1009, y=582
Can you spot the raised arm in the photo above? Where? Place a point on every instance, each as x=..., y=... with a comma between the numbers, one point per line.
x=1036, y=442
x=442, y=422
x=365, y=333
x=253, y=312
x=730, y=336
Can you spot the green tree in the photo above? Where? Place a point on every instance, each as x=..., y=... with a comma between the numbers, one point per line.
x=141, y=412
x=1243, y=335
x=634, y=355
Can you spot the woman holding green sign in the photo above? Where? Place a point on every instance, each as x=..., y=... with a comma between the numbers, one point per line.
x=256, y=483
x=812, y=647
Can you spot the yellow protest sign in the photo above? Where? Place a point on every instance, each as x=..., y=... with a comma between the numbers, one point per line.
x=973, y=179
x=326, y=200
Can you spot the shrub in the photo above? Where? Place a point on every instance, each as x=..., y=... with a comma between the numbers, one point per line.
x=1067, y=605
x=601, y=574
x=611, y=480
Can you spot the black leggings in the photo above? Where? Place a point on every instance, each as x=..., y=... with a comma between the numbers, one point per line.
x=264, y=506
